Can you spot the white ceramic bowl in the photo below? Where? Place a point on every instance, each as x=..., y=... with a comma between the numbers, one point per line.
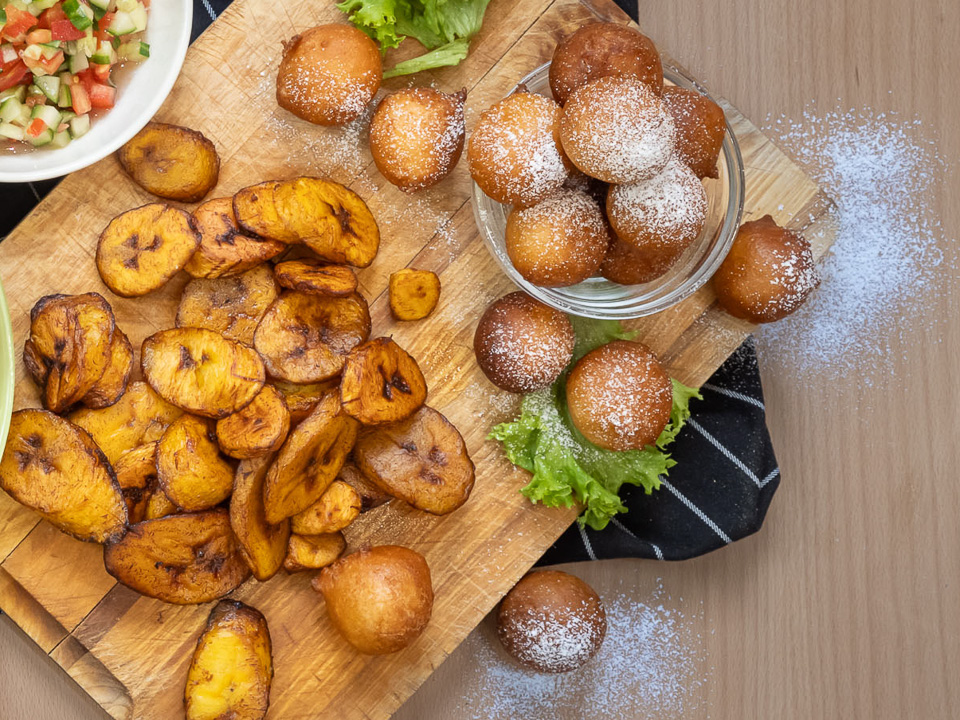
x=138, y=99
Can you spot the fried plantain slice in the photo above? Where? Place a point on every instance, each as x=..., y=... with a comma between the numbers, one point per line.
x=189, y=467
x=141, y=249
x=201, y=371
x=159, y=505
x=305, y=338
x=224, y=250
x=421, y=460
x=302, y=399
x=55, y=468
x=139, y=416
x=316, y=278
x=231, y=306
x=413, y=293
x=309, y=460
x=337, y=507
x=371, y=494
x=312, y=552
x=258, y=429
x=113, y=383
x=183, y=559
x=232, y=667
x=137, y=476
x=381, y=383
x=262, y=545
x=171, y=162
x=69, y=347
x=329, y=218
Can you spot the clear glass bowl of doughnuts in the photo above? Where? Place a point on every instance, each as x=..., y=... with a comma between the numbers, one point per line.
x=599, y=298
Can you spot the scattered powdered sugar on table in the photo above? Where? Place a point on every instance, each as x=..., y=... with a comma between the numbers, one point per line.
x=890, y=258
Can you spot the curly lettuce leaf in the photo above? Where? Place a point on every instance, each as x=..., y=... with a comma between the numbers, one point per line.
x=376, y=18
x=449, y=54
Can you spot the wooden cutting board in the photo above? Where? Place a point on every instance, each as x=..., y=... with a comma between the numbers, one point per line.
x=131, y=653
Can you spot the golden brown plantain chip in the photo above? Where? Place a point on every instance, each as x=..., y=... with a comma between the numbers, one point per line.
x=201, y=371
x=141, y=249
x=113, y=383
x=232, y=668
x=421, y=460
x=312, y=552
x=305, y=338
x=184, y=559
x=302, y=399
x=262, y=545
x=413, y=293
x=309, y=460
x=258, y=429
x=315, y=278
x=139, y=416
x=338, y=507
x=224, y=250
x=69, y=347
x=189, y=467
x=231, y=306
x=371, y=494
x=171, y=162
x=55, y=468
x=329, y=218
x=159, y=505
x=137, y=476
x=381, y=383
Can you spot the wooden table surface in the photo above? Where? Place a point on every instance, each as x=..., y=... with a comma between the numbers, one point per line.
x=845, y=605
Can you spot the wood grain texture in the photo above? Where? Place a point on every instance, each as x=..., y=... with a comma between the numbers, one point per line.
x=137, y=649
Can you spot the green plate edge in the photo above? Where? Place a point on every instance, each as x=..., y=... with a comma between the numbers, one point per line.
x=6, y=368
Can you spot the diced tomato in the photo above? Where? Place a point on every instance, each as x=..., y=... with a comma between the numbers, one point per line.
x=39, y=36
x=36, y=128
x=48, y=65
x=18, y=23
x=64, y=31
x=50, y=16
x=12, y=74
x=85, y=78
x=80, y=99
x=100, y=72
x=102, y=96
x=103, y=23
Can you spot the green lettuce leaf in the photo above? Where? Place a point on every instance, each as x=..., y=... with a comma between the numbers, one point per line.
x=377, y=18
x=449, y=54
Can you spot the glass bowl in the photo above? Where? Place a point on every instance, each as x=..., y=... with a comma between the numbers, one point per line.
x=599, y=298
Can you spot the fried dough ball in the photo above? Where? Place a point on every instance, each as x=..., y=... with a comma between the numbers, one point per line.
x=416, y=136
x=329, y=74
x=521, y=344
x=558, y=242
x=619, y=396
x=768, y=273
x=701, y=126
x=659, y=218
x=627, y=264
x=600, y=50
x=515, y=155
x=551, y=622
x=618, y=130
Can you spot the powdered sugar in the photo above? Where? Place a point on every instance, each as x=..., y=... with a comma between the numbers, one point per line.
x=551, y=641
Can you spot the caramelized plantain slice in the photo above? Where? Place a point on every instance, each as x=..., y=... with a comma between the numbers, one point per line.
x=189, y=467
x=302, y=399
x=421, y=460
x=231, y=306
x=113, y=383
x=141, y=249
x=137, y=476
x=171, y=162
x=309, y=460
x=329, y=218
x=258, y=429
x=224, y=250
x=381, y=383
x=184, y=559
x=338, y=507
x=139, y=416
x=413, y=293
x=312, y=552
x=55, y=468
x=305, y=338
x=201, y=371
x=159, y=505
x=262, y=545
x=232, y=668
x=371, y=494
x=316, y=278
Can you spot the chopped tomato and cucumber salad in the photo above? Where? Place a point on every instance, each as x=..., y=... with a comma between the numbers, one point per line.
x=57, y=64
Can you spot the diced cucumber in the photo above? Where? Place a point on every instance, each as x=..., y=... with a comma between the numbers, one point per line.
x=32, y=52
x=3, y=16
x=78, y=63
x=102, y=4
x=41, y=5
x=10, y=110
x=11, y=132
x=104, y=55
x=134, y=51
x=48, y=113
x=87, y=45
x=126, y=5
x=77, y=14
x=123, y=24
x=45, y=138
x=65, y=97
x=49, y=85
x=48, y=51
x=139, y=15
x=19, y=92
x=79, y=125
x=61, y=139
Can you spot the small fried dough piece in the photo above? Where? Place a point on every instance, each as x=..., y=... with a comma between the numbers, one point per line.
x=201, y=371
x=309, y=460
x=231, y=306
x=113, y=383
x=371, y=495
x=183, y=559
x=302, y=399
x=381, y=383
x=232, y=667
x=326, y=216
x=258, y=429
x=171, y=162
x=224, y=250
x=413, y=293
x=137, y=476
x=141, y=249
x=338, y=507
x=55, y=468
x=701, y=127
x=191, y=472
x=312, y=552
x=316, y=278
x=262, y=545
x=421, y=460
x=306, y=338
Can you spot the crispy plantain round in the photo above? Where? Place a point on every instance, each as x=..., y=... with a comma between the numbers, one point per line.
x=413, y=293
x=339, y=506
x=231, y=306
x=224, y=250
x=316, y=278
x=262, y=545
x=258, y=429
x=312, y=552
x=171, y=162
x=189, y=466
x=113, y=383
x=302, y=399
x=137, y=476
x=381, y=383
